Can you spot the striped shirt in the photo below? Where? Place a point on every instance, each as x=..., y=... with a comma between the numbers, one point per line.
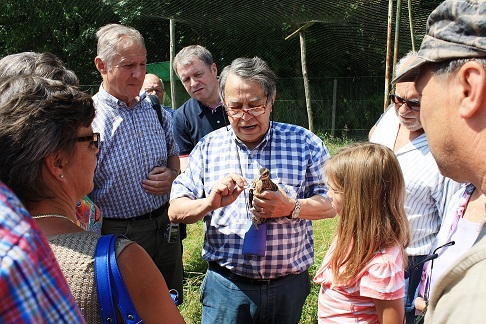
x=427, y=191
x=133, y=142
x=32, y=286
x=382, y=278
x=295, y=158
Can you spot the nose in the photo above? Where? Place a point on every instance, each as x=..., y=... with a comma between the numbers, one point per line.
x=194, y=82
x=246, y=116
x=139, y=72
x=404, y=108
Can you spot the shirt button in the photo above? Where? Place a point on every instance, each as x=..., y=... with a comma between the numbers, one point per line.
x=217, y=122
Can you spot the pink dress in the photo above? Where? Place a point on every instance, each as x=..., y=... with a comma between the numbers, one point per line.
x=382, y=278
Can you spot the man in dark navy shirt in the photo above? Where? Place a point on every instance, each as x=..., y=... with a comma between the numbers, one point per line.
x=203, y=112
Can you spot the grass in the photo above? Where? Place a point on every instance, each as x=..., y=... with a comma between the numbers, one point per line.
x=195, y=267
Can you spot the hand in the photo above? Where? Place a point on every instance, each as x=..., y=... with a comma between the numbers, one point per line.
x=420, y=303
x=159, y=181
x=272, y=204
x=226, y=190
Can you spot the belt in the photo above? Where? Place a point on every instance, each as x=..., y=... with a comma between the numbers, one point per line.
x=151, y=215
x=225, y=272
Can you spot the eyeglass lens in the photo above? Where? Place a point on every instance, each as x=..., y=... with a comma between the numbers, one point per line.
x=412, y=104
x=238, y=113
x=92, y=138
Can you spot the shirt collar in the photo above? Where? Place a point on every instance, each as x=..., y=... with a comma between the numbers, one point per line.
x=115, y=102
x=261, y=145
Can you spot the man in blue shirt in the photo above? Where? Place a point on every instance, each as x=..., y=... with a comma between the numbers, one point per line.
x=203, y=112
x=259, y=252
x=138, y=158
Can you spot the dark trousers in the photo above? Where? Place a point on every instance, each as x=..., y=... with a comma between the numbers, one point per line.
x=412, y=279
x=151, y=235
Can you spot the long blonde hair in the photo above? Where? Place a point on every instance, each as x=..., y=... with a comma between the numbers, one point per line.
x=369, y=178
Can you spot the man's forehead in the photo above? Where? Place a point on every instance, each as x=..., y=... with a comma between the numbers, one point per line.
x=242, y=99
x=151, y=80
x=194, y=65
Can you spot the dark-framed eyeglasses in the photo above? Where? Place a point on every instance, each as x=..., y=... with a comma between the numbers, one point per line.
x=238, y=113
x=95, y=139
x=412, y=104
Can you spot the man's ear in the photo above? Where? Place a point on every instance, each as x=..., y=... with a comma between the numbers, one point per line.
x=100, y=65
x=472, y=78
x=214, y=69
x=273, y=101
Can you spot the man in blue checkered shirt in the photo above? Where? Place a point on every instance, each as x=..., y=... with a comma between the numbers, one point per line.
x=258, y=270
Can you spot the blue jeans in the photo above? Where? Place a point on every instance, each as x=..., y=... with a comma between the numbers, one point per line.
x=231, y=301
x=412, y=280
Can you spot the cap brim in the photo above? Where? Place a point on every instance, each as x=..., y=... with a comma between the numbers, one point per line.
x=411, y=71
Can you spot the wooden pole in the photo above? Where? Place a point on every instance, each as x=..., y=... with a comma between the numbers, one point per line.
x=397, y=35
x=306, y=81
x=388, y=54
x=173, y=95
x=412, y=33
x=334, y=104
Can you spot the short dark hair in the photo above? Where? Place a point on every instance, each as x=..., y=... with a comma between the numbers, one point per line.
x=38, y=117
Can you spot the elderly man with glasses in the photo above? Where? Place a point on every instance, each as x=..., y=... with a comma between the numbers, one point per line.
x=258, y=251
x=427, y=191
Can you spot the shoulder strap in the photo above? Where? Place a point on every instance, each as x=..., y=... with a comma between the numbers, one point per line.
x=157, y=107
x=102, y=277
x=122, y=297
x=109, y=284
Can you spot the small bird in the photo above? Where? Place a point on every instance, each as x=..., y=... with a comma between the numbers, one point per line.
x=260, y=184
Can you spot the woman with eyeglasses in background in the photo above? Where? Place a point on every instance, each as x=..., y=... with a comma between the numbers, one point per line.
x=48, y=159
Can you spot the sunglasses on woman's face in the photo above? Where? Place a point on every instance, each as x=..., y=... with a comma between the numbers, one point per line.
x=95, y=139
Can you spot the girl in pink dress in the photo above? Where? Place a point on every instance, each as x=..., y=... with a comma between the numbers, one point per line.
x=362, y=274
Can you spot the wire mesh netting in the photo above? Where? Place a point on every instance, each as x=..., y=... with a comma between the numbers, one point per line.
x=346, y=44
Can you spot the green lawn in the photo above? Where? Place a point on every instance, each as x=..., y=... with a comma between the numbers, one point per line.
x=195, y=267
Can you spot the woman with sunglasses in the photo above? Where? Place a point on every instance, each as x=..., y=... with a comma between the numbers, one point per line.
x=48, y=159
x=427, y=190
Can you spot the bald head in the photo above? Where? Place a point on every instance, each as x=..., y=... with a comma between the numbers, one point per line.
x=153, y=86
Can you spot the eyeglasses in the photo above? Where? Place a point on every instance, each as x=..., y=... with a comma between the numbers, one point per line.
x=95, y=139
x=149, y=90
x=412, y=104
x=238, y=113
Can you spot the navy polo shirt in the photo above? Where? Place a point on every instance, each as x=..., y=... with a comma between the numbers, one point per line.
x=192, y=121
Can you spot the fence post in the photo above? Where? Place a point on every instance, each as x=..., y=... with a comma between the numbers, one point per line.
x=303, y=57
x=334, y=93
x=173, y=95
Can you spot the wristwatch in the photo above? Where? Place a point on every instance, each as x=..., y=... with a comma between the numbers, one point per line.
x=296, y=211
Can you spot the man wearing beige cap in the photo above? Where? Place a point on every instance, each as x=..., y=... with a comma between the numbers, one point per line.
x=450, y=75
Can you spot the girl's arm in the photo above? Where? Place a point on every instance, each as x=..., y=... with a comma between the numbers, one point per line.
x=390, y=311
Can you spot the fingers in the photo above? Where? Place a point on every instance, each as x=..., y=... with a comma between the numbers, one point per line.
x=232, y=182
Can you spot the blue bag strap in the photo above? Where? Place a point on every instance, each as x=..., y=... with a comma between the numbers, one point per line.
x=122, y=297
x=102, y=277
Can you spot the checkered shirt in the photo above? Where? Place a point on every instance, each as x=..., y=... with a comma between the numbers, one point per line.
x=295, y=158
x=32, y=286
x=133, y=142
